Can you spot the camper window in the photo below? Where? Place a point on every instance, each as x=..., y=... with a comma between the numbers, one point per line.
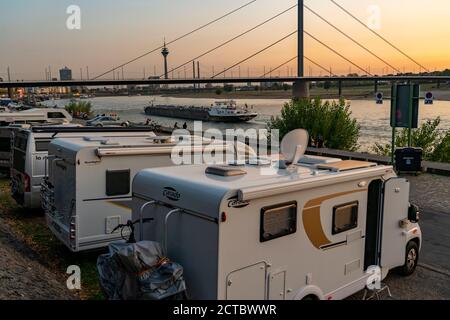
x=42, y=145
x=278, y=221
x=5, y=144
x=345, y=217
x=20, y=143
x=117, y=183
x=55, y=115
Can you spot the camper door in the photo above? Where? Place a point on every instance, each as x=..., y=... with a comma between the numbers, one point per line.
x=395, y=209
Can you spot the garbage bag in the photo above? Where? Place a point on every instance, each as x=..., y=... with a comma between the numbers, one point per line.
x=139, y=271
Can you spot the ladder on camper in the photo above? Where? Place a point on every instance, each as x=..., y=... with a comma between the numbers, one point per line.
x=376, y=294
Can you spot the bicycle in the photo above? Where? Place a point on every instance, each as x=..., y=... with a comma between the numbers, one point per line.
x=130, y=225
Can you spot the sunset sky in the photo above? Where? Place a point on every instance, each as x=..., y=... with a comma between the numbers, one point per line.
x=33, y=35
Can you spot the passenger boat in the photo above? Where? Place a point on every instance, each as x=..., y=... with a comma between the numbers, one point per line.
x=221, y=111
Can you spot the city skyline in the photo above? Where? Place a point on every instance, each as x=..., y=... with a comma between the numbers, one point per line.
x=35, y=36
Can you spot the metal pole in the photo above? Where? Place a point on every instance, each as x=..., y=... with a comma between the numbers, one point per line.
x=340, y=89
x=393, y=121
x=411, y=98
x=193, y=71
x=301, y=14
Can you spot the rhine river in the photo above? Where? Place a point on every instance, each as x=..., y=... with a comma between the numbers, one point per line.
x=374, y=119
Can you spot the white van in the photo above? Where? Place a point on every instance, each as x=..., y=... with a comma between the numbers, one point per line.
x=322, y=231
x=30, y=152
x=88, y=190
x=46, y=115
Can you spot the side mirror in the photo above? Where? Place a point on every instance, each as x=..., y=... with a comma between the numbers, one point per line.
x=414, y=213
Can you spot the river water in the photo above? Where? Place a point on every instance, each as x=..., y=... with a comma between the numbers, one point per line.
x=374, y=119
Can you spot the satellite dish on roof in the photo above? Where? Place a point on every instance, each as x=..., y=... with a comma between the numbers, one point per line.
x=294, y=145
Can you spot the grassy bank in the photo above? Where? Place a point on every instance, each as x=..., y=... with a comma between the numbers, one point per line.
x=30, y=228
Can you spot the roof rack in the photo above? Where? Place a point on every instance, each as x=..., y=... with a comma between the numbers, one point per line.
x=90, y=129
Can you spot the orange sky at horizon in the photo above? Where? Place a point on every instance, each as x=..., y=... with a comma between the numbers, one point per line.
x=34, y=36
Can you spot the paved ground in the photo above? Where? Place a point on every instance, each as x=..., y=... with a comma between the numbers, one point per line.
x=22, y=277
x=432, y=279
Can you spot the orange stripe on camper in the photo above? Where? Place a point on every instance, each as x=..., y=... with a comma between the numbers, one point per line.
x=312, y=221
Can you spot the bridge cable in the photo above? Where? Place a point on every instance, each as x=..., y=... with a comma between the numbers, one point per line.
x=294, y=58
x=320, y=66
x=379, y=35
x=234, y=38
x=255, y=54
x=177, y=39
x=280, y=66
x=352, y=39
x=337, y=53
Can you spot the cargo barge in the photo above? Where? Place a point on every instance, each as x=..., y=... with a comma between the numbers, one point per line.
x=220, y=112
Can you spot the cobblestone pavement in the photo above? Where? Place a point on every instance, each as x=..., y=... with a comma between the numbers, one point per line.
x=431, y=192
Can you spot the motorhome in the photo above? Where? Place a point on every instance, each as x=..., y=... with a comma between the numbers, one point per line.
x=30, y=152
x=35, y=115
x=6, y=136
x=308, y=230
x=88, y=190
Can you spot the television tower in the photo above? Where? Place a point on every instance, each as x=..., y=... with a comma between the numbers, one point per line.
x=165, y=52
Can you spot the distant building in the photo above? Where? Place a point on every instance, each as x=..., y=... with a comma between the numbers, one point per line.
x=154, y=86
x=65, y=74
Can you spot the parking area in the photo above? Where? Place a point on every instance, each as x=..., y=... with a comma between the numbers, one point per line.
x=24, y=274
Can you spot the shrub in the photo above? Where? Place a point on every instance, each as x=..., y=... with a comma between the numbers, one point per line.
x=79, y=107
x=435, y=145
x=218, y=92
x=329, y=123
x=228, y=88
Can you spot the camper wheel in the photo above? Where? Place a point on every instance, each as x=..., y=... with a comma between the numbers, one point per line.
x=411, y=260
x=311, y=297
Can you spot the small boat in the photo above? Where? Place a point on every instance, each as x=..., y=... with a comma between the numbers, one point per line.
x=221, y=111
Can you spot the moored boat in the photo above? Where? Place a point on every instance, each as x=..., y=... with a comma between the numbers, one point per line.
x=221, y=111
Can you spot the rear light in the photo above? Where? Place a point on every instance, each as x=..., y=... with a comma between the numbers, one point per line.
x=27, y=183
x=73, y=229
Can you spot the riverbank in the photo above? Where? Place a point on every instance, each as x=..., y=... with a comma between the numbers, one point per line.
x=33, y=262
x=352, y=93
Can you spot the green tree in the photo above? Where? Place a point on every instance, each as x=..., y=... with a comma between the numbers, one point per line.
x=435, y=145
x=75, y=108
x=228, y=88
x=329, y=122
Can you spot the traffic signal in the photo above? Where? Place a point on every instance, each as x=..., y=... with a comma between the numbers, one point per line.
x=405, y=106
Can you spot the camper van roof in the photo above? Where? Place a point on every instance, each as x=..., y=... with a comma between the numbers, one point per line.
x=192, y=183
x=89, y=129
x=116, y=144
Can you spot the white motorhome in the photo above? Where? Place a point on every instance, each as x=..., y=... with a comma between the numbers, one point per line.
x=6, y=136
x=30, y=152
x=88, y=190
x=35, y=115
x=309, y=231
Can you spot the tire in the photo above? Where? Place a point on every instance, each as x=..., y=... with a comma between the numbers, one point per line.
x=99, y=126
x=125, y=125
x=411, y=259
x=310, y=298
